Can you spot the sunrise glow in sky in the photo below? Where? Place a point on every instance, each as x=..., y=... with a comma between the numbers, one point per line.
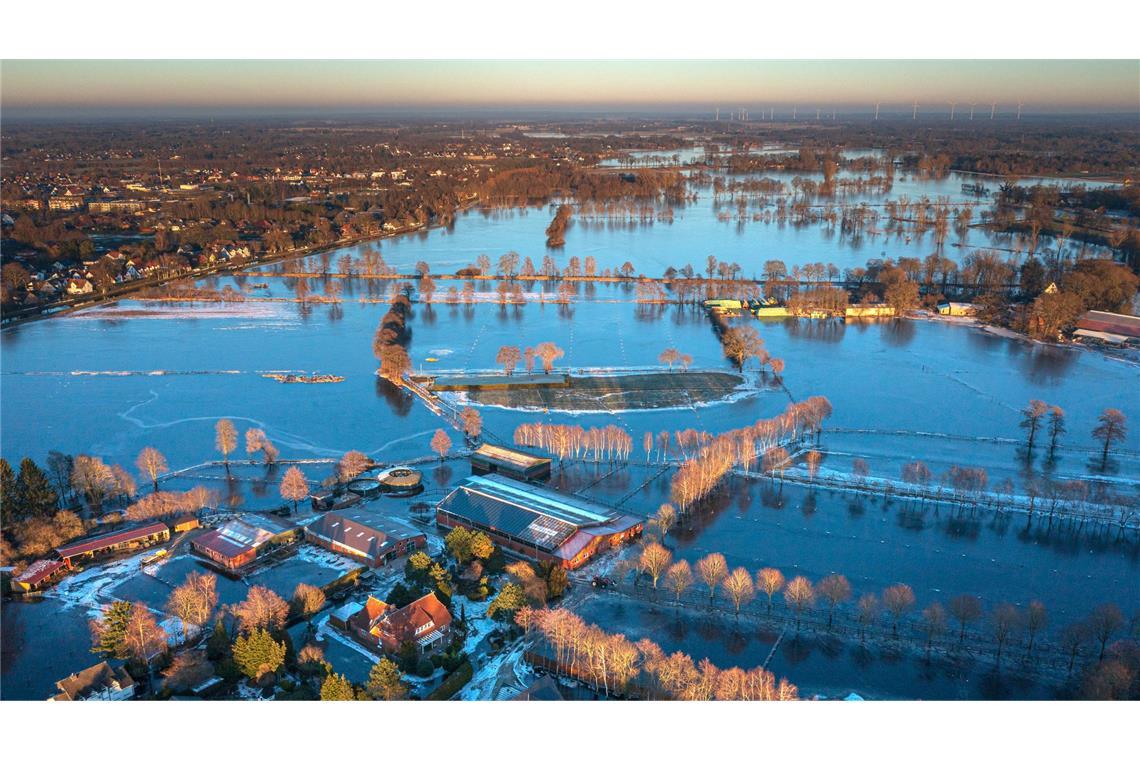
x=32, y=88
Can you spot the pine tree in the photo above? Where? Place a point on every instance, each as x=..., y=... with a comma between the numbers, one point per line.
x=336, y=688
x=35, y=492
x=258, y=653
x=109, y=633
x=511, y=598
x=385, y=682
x=9, y=508
x=218, y=645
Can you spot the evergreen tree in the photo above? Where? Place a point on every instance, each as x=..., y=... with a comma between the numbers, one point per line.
x=258, y=653
x=109, y=633
x=385, y=682
x=37, y=496
x=336, y=688
x=218, y=645
x=511, y=598
x=9, y=510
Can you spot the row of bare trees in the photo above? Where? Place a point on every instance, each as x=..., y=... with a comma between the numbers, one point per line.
x=895, y=604
x=615, y=665
x=610, y=443
x=704, y=465
x=510, y=356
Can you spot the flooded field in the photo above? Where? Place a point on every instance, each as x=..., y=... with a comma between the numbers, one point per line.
x=117, y=379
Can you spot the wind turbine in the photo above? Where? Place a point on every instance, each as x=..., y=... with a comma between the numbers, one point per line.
x=993, y=110
x=877, y=111
x=817, y=113
x=1019, y=105
x=914, y=113
x=771, y=114
x=793, y=113
x=718, y=114
x=952, y=107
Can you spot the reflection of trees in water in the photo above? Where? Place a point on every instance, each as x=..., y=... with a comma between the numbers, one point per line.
x=442, y=475
x=1046, y=364
x=428, y=315
x=796, y=650
x=898, y=332
x=963, y=527
x=809, y=505
x=862, y=657
x=822, y=330
x=649, y=312
x=399, y=400
x=233, y=497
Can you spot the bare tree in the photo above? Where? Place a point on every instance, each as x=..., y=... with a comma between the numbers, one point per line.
x=654, y=559
x=770, y=581
x=664, y=519
x=678, y=578
x=898, y=599
x=151, y=464
x=713, y=569
x=441, y=443
x=1005, y=620
x=1036, y=618
x=293, y=486
x=472, y=422
x=812, y=460
x=1112, y=428
x=1031, y=417
x=868, y=606
x=1056, y=427
x=800, y=596
x=966, y=608
x=193, y=602
x=262, y=608
x=738, y=586
x=1103, y=623
x=308, y=600
x=669, y=356
x=1073, y=638
x=225, y=439
x=352, y=464
x=835, y=589
x=933, y=622
x=549, y=353
x=509, y=357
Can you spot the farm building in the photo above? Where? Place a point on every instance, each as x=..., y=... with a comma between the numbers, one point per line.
x=241, y=540
x=874, y=310
x=184, y=523
x=370, y=538
x=38, y=574
x=327, y=500
x=489, y=458
x=117, y=541
x=534, y=522
x=97, y=683
x=426, y=622
x=1107, y=327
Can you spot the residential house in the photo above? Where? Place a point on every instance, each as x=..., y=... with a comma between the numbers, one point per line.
x=426, y=623
x=97, y=683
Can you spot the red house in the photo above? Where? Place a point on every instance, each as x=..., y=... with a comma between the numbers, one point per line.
x=425, y=622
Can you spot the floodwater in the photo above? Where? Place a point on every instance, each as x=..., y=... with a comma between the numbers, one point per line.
x=112, y=381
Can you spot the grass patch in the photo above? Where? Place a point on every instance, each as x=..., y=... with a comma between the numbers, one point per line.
x=649, y=390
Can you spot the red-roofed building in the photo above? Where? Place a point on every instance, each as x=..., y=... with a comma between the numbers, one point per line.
x=120, y=540
x=425, y=622
x=38, y=574
x=243, y=539
x=1121, y=327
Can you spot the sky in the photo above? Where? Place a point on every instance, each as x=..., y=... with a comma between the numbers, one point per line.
x=46, y=88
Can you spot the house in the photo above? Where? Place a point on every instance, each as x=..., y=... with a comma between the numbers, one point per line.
x=364, y=536
x=78, y=286
x=97, y=683
x=869, y=311
x=128, y=539
x=425, y=622
x=38, y=574
x=489, y=458
x=957, y=309
x=243, y=539
x=535, y=522
x=544, y=689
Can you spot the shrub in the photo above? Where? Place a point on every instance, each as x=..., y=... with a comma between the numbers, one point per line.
x=453, y=683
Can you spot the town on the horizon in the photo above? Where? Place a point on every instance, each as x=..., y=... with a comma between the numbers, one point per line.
x=807, y=402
